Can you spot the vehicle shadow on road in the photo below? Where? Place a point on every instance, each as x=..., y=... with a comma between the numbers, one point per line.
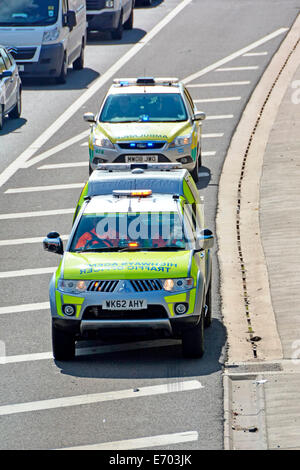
x=77, y=80
x=204, y=177
x=133, y=36
x=12, y=125
x=155, y=4
x=157, y=362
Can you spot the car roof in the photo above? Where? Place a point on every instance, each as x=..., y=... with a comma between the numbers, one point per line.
x=161, y=182
x=111, y=203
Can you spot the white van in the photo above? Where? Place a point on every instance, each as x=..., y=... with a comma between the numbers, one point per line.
x=44, y=36
x=110, y=15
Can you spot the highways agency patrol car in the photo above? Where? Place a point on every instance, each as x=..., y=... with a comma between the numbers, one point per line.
x=146, y=120
x=137, y=261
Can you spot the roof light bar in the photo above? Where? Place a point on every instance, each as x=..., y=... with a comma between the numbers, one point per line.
x=132, y=193
x=144, y=81
x=144, y=166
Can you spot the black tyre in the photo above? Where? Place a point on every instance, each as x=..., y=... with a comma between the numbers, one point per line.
x=17, y=110
x=148, y=3
x=129, y=23
x=63, y=345
x=1, y=117
x=195, y=172
x=208, y=302
x=78, y=64
x=90, y=169
x=118, y=33
x=193, y=340
x=64, y=71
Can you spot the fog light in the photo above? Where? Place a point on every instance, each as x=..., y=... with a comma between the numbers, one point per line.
x=98, y=160
x=69, y=310
x=180, y=309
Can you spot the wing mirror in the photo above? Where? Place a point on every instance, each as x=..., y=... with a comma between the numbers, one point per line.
x=89, y=117
x=199, y=116
x=53, y=243
x=70, y=19
x=205, y=240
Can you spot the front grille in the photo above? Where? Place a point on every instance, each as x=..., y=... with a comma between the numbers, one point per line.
x=153, y=312
x=141, y=145
x=146, y=285
x=95, y=4
x=23, y=53
x=102, y=286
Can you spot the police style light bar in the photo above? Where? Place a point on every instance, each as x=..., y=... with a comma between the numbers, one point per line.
x=132, y=193
x=143, y=166
x=146, y=81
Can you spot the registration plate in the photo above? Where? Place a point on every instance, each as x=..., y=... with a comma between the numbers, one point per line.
x=141, y=158
x=21, y=68
x=133, y=304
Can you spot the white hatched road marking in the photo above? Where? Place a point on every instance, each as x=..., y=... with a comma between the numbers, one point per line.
x=88, y=94
x=217, y=84
x=142, y=442
x=236, y=69
x=211, y=136
x=216, y=100
x=24, y=215
x=221, y=116
x=56, y=166
x=92, y=350
x=27, y=272
x=54, y=187
x=24, y=308
x=236, y=54
x=24, y=241
x=99, y=397
x=255, y=54
x=209, y=154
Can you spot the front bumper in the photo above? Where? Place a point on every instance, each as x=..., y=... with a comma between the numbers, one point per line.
x=103, y=21
x=159, y=318
x=165, y=154
x=49, y=62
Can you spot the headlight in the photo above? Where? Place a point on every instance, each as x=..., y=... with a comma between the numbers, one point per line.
x=173, y=285
x=71, y=286
x=109, y=3
x=101, y=141
x=51, y=35
x=182, y=140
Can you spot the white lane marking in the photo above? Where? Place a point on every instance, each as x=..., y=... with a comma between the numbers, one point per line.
x=54, y=187
x=56, y=166
x=141, y=442
x=92, y=350
x=24, y=241
x=24, y=215
x=222, y=84
x=85, y=144
x=84, y=97
x=255, y=54
x=236, y=54
x=221, y=116
x=204, y=174
x=58, y=148
x=212, y=136
x=216, y=100
x=26, y=272
x=208, y=154
x=24, y=308
x=236, y=69
x=99, y=397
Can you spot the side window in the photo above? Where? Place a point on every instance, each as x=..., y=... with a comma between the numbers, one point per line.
x=2, y=63
x=6, y=59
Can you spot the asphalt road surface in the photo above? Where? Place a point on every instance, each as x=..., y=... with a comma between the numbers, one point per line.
x=135, y=394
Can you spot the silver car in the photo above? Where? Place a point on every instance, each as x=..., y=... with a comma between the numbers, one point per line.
x=10, y=87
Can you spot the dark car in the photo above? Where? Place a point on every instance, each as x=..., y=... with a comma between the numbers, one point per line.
x=10, y=87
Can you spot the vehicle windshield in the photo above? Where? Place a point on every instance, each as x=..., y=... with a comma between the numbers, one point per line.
x=28, y=12
x=144, y=107
x=130, y=231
